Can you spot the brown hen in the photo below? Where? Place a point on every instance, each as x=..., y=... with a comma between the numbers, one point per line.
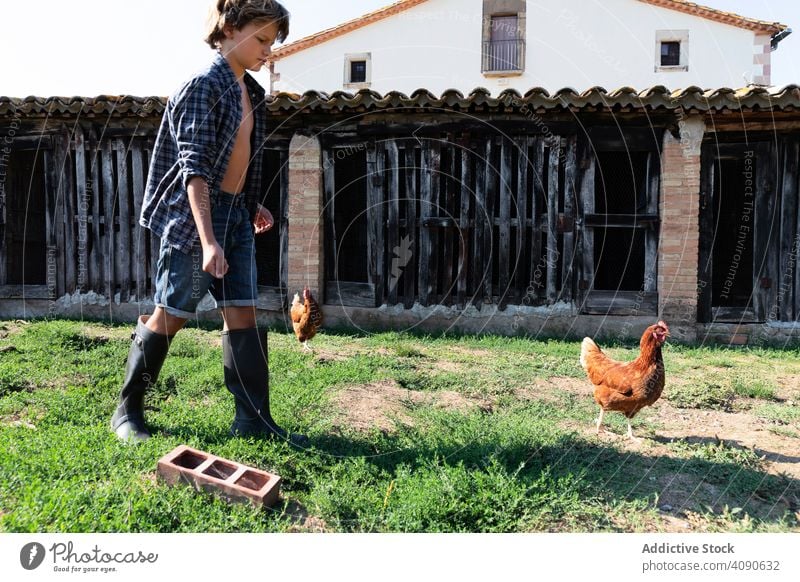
x=306, y=317
x=627, y=387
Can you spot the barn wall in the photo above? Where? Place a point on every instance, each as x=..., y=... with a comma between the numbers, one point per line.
x=481, y=222
x=75, y=189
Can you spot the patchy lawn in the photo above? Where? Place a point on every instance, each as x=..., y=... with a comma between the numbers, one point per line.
x=408, y=434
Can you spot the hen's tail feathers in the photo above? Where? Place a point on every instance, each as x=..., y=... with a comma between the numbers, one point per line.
x=587, y=347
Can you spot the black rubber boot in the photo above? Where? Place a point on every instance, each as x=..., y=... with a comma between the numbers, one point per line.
x=244, y=353
x=146, y=356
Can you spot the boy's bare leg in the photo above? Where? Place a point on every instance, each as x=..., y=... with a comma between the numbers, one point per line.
x=163, y=323
x=238, y=318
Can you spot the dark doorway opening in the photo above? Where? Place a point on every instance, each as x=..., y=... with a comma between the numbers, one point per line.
x=619, y=251
x=25, y=237
x=732, y=248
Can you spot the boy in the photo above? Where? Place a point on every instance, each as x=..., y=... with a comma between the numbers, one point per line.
x=201, y=199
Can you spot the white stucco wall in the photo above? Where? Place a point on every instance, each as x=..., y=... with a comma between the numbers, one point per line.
x=570, y=43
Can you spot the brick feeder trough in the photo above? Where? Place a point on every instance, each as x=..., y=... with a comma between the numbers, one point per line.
x=206, y=472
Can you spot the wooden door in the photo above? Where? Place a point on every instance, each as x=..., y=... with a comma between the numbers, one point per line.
x=739, y=233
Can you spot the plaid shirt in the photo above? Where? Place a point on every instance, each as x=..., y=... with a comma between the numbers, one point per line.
x=196, y=137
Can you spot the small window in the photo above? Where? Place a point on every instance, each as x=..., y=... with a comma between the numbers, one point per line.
x=672, y=51
x=358, y=71
x=504, y=47
x=670, y=54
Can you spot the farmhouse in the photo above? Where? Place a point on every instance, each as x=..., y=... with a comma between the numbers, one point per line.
x=519, y=44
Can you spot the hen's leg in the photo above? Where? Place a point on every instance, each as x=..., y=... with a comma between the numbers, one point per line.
x=306, y=347
x=600, y=422
x=630, y=432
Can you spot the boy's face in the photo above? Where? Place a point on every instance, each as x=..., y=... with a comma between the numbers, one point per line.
x=252, y=45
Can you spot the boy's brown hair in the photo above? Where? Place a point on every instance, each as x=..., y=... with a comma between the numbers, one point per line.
x=240, y=13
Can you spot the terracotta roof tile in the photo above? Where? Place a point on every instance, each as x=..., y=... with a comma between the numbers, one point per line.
x=344, y=28
x=657, y=97
x=719, y=15
x=105, y=105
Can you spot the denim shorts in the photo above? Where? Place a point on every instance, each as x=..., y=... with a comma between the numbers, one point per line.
x=181, y=282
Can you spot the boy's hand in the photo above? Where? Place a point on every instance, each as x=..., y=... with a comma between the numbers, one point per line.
x=214, y=262
x=263, y=220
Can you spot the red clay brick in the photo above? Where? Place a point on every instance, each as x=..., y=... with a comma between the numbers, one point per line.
x=206, y=472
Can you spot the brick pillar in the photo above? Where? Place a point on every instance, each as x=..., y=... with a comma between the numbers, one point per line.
x=762, y=59
x=305, y=216
x=680, y=228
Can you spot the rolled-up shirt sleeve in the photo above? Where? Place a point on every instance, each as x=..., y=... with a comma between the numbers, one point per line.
x=193, y=122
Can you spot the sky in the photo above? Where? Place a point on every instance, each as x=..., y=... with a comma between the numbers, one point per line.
x=147, y=47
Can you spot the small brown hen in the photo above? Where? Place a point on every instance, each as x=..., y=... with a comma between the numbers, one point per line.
x=306, y=317
x=627, y=387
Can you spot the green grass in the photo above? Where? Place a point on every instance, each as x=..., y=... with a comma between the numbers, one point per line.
x=779, y=413
x=716, y=395
x=520, y=465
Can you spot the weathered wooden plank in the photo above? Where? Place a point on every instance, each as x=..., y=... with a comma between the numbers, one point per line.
x=651, y=237
x=491, y=177
x=435, y=211
x=50, y=196
x=153, y=242
x=139, y=258
x=765, y=255
x=61, y=148
x=643, y=221
x=271, y=298
x=585, y=201
x=538, y=267
x=464, y=234
x=27, y=292
x=378, y=205
x=521, y=277
x=570, y=195
x=790, y=237
x=123, y=240
x=3, y=225
x=623, y=138
x=426, y=249
x=374, y=230
x=70, y=237
x=733, y=314
x=772, y=259
x=109, y=238
x=552, y=221
x=447, y=237
x=410, y=273
x=350, y=294
x=329, y=193
x=708, y=194
x=481, y=224
x=504, y=230
x=28, y=142
x=396, y=253
x=96, y=253
x=795, y=163
x=620, y=303
x=82, y=201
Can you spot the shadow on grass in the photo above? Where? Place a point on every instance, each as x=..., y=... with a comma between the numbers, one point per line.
x=731, y=444
x=597, y=472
